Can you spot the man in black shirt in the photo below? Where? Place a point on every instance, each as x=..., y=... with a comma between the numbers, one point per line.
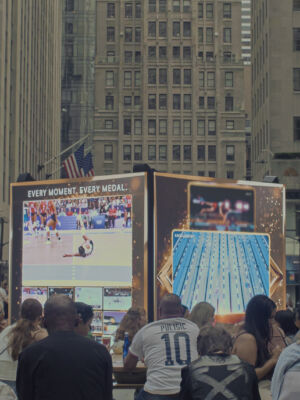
x=64, y=365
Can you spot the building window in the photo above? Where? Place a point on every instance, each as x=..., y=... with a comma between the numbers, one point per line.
x=176, y=29
x=227, y=56
x=230, y=152
x=137, y=57
x=296, y=128
x=211, y=79
x=128, y=34
x=162, y=5
x=201, y=102
x=137, y=78
x=212, y=174
x=176, y=52
x=229, y=79
x=108, y=124
x=200, y=35
x=128, y=10
x=110, y=57
x=162, y=29
x=127, y=101
x=127, y=152
x=201, y=127
x=227, y=35
x=297, y=219
x=163, y=76
x=127, y=126
x=296, y=79
x=187, y=29
x=152, y=52
x=137, y=126
x=176, y=5
x=201, y=79
x=229, y=124
x=228, y=103
x=128, y=57
x=138, y=10
x=176, y=102
x=209, y=10
x=108, y=152
x=162, y=152
x=138, y=154
x=152, y=29
x=187, y=76
x=211, y=102
x=187, y=101
x=177, y=127
x=201, y=173
x=109, y=78
x=200, y=10
x=163, y=127
x=230, y=174
x=296, y=5
x=162, y=51
x=69, y=28
x=162, y=101
x=226, y=10
x=187, y=127
x=138, y=34
x=151, y=127
x=201, y=152
x=152, y=76
x=187, y=152
x=109, y=102
x=176, y=152
x=152, y=5
x=209, y=35
x=70, y=5
x=137, y=101
x=151, y=152
x=111, y=11
x=152, y=102
x=110, y=34
x=212, y=153
x=211, y=126
x=187, y=52
x=127, y=79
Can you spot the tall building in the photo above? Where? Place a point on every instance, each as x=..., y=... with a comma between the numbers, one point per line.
x=78, y=55
x=169, y=87
x=246, y=31
x=276, y=106
x=30, y=93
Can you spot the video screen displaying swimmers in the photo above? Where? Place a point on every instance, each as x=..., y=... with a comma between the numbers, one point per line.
x=78, y=242
x=221, y=208
x=221, y=268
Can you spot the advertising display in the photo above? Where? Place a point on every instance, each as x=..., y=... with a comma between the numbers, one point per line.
x=218, y=241
x=84, y=238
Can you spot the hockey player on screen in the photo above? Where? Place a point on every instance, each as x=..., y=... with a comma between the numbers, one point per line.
x=84, y=250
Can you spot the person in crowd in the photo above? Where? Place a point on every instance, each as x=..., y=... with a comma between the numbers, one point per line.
x=185, y=311
x=64, y=365
x=15, y=338
x=132, y=322
x=85, y=316
x=166, y=346
x=286, y=321
x=297, y=323
x=217, y=373
x=3, y=321
x=252, y=343
x=6, y=392
x=4, y=297
x=202, y=314
x=285, y=381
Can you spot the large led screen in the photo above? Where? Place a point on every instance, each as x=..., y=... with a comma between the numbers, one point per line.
x=218, y=241
x=86, y=238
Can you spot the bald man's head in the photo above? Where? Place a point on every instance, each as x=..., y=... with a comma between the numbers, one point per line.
x=170, y=306
x=60, y=313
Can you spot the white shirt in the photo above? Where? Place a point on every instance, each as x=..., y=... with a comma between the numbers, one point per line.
x=166, y=346
x=8, y=367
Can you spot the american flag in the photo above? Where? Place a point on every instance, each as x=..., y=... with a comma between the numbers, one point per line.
x=74, y=163
x=88, y=167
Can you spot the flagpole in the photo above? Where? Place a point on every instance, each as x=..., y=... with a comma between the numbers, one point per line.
x=41, y=166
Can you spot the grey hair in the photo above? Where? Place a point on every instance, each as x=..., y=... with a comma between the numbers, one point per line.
x=212, y=340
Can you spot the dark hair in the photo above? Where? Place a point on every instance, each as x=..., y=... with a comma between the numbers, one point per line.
x=212, y=340
x=258, y=313
x=84, y=311
x=286, y=321
x=59, y=311
x=21, y=334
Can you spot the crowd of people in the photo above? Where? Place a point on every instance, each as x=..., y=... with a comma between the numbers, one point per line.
x=49, y=354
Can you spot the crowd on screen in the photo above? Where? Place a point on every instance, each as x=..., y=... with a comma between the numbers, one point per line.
x=49, y=353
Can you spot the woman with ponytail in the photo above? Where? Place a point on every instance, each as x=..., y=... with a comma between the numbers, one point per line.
x=16, y=337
